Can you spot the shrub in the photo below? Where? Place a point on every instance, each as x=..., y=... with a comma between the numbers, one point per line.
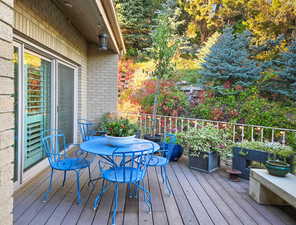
x=204, y=139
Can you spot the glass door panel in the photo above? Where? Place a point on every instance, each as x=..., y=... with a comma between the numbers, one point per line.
x=66, y=101
x=16, y=97
x=37, y=83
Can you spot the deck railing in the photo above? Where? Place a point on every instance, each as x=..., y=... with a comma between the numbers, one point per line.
x=239, y=132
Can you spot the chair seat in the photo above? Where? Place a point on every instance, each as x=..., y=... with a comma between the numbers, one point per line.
x=158, y=161
x=123, y=175
x=71, y=164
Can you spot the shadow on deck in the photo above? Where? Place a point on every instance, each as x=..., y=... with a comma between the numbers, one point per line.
x=197, y=198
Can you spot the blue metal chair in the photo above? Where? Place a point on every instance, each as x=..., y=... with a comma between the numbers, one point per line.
x=58, y=160
x=123, y=169
x=87, y=131
x=163, y=160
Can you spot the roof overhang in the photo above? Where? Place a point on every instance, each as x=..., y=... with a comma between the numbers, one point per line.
x=92, y=17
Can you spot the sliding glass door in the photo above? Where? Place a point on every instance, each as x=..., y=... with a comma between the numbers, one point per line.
x=45, y=98
x=66, y=100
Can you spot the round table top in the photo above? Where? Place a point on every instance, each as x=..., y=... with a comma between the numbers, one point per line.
x=100, y=146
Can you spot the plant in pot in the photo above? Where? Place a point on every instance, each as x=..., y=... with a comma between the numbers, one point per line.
x=204, y=146
x=120, y=131
x=255, y=154
x=277, y=164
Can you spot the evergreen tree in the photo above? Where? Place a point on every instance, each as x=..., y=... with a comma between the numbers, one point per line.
x=228, y=65
x=286, y=84
x=136, y=18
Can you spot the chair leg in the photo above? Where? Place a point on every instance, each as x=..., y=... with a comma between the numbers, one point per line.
x=162, y=175
x=115, y=204
x=65, y=177
x=147, y=197
x=45, y=198
x=78, y=200
x=130, y=195
x=89, y=176
x=135, y=195
x=98, y=198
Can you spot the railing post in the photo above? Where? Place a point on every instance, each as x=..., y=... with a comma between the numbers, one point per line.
x=145, y=123
x=283, y=133
x=165, y=125
x=243, y=134
x=182, y=124
x=233, y=134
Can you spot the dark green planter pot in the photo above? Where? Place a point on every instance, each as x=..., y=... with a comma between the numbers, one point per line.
x=277, y=168
x=205, y=162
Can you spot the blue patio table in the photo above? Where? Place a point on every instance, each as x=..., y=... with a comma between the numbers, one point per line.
x=100, y=147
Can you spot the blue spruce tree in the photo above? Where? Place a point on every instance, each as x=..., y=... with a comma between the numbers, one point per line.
x=286, y=70
x=228, y=65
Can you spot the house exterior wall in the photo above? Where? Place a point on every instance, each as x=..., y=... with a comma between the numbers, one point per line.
x=102, y=83
x=45, y=23
x=6, y=111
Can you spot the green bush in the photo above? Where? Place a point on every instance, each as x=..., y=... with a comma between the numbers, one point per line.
x=204, y=139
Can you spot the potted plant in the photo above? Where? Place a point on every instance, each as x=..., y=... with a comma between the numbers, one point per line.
x=277, y=168
x=277, y=163
x=120, y=131
x=204, y=146
x=249, y=153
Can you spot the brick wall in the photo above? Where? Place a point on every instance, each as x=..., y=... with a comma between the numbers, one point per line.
x=44, y=22
x=102, y=82
x=6, y=111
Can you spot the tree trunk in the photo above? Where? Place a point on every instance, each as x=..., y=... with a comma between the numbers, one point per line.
x=155, y=105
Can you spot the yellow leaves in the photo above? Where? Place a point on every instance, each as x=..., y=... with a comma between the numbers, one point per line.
x=191, y=30
x=269, y=19
x=188, y=64
x=265, y=18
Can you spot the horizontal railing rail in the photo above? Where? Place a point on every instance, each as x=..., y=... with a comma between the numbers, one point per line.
x=239, y=132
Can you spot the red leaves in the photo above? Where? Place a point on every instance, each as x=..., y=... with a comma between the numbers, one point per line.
x=217, y=114
x=227, y=84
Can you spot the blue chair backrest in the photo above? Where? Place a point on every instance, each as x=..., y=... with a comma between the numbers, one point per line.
x=131, y=159
x=49, y=132
x=170, y=139
x=52, y=145
x=85, y=127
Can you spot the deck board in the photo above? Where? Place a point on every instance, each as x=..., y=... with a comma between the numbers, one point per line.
x=217, y=209
x=197, y=198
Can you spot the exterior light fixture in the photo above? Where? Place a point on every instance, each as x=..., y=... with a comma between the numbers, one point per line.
x=103, y=42
x=68, y=4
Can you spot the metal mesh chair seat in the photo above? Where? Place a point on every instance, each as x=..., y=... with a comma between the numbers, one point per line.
x=71, y=164
x=123, y=175
x=158, y=161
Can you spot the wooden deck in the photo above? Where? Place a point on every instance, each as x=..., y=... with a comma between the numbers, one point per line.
x=198, y=198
